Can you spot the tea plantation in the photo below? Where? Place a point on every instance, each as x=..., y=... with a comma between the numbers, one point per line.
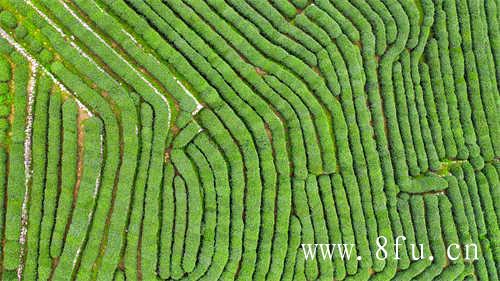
x=212, y=139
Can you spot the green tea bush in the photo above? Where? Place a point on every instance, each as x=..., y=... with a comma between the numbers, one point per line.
x=69, y=169
x=90, y=183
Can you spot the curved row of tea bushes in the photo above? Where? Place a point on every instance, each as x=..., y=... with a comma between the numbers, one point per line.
x=230, y=150
x=371, y=86
x=478, y=45
x=413, y=115
x=251, y=216
x=366, y=169
x=39, y=161
x=16, y=181
x=404, y=121
x=296, y=115
x=263, y=17
x=179, y=227
x=438, y=91
x=185, y=168
x=378, y=27
x=463, y=61
x=51, y=186
x=326, y=68
x=332, y=222
x=307, y=111
x=363, y=106
x=412, y=12
x=302, y=211
x=436, y=244
x=285, y=8
x=430, y=106
x=222, y=187
x=389, y=101
x=398, y=154
x=85, y=202
x=292, y=249
x=309, y=76
x=69, y=168
x=160, y=72
x=111, y=136
x=364, y=28
x=118, y=218
x=415, y=57
x=277, y=29
x=209, y=212
x=343, y=21
x=417, y=210
x=458, y=172
x=345, y=220
x=457, y=63
x=450, y=236
x=50, y=34
x=135, y=224
x=471, y=186
x=384, y=11
x=243, y=69
x=167, y=226
x=318, y=221
x=385, y=71
x=442, y=37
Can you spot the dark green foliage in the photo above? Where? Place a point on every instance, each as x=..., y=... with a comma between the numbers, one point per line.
x=318, y=220
x=134, y=226
x=166, y=229
x=185, y=168
x=39, y=161
x=69, y=170
x=5, y=47
x=180, y=227
x=16, y=182
x=21, y=31
x=222, y=236
x=450, y=236
x=436, y=244
x=5, y=70
x=51, y=186
x=89, y=185
x=8, y=20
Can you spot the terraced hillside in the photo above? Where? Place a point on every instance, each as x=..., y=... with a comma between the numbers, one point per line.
x=189, y=139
